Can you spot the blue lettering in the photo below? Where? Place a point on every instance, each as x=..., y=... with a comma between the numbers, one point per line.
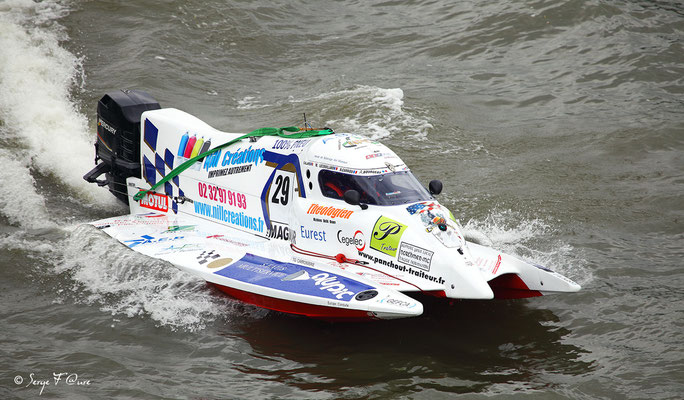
x=313, y=234
x=239, y=156
x=212, y=160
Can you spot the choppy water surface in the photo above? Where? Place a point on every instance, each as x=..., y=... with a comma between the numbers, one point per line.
x=556, y=127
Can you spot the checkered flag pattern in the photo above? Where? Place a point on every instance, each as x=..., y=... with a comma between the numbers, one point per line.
x=207, y=256
x=156, y=167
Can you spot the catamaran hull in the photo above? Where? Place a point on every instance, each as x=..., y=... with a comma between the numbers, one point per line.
x=307, y=222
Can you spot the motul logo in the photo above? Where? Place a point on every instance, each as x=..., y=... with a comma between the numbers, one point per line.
x=155, y=201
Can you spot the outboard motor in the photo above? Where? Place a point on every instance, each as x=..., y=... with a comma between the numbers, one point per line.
x=118, y=139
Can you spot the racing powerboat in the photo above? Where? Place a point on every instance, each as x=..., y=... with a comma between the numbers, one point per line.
x=310, y=222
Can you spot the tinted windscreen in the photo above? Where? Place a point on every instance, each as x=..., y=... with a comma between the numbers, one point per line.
x=383, y=190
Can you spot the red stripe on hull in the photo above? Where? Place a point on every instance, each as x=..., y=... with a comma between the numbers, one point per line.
x=510, y=286
x=297, y=308
x=435, y=293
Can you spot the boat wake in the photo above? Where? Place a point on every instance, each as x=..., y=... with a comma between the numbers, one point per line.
x=39, y=120
x=377, y=112
x=529, y=239
x=37, y=77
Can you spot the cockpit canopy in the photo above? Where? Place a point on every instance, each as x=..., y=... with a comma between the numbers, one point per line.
x=388, y=189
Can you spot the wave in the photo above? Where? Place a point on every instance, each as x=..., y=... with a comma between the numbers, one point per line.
x=378, y=112
x=122, y=282
x=528, y=239
x=41, y=124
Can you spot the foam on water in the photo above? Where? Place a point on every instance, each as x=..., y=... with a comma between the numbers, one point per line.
x=40, y=122
x=95, y=269
x=124, y=282
x=30, y=211
x=250, y=103
x=528, y=239
x=378, y=112
x=99, y=270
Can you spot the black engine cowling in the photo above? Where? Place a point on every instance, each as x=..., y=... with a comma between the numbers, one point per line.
x=118, y=138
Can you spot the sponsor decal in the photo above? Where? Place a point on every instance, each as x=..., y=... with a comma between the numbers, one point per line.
x=337, y=304
x=180, y=249
x=107, y=126
x=303, y=261
x=280, y=195
x=206, y=256
x=234, y=218
x=221, y=262
x=430, y=213
x=313, y=234
x=332, y=284
x=221, y=195
x=155, y=201
x=225, y=239
x=290, y=144
x=397, y=302
x=497, y=265
x=358, y=240
x=180, y=228
x=557, y=275
x=229, y=171
x=422, y=207
x=402, y=268
x=213, y=259
x=333, y=160
x=386, y=235
x=374, y=171
x=324, y=220
x=149, y=215
x=543, y=268
x=485, y=263
x=332, y=212
x=147, y=239
x=357, y=141
x=374, y=155
x=415, y=256
x=292, y=278
x=279, y=231
x=400, y=303
x=188, y=147
x=237, y=157
x=326, y=281
x=130, y=222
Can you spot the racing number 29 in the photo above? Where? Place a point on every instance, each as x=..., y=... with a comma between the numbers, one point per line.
x=281, y=191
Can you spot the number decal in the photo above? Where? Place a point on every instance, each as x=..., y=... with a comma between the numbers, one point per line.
x=279, y=183
x=221, y=195
x=286, y=190
x=282, y=190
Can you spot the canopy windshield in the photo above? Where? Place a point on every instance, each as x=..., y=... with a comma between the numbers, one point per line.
x=383, y=190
